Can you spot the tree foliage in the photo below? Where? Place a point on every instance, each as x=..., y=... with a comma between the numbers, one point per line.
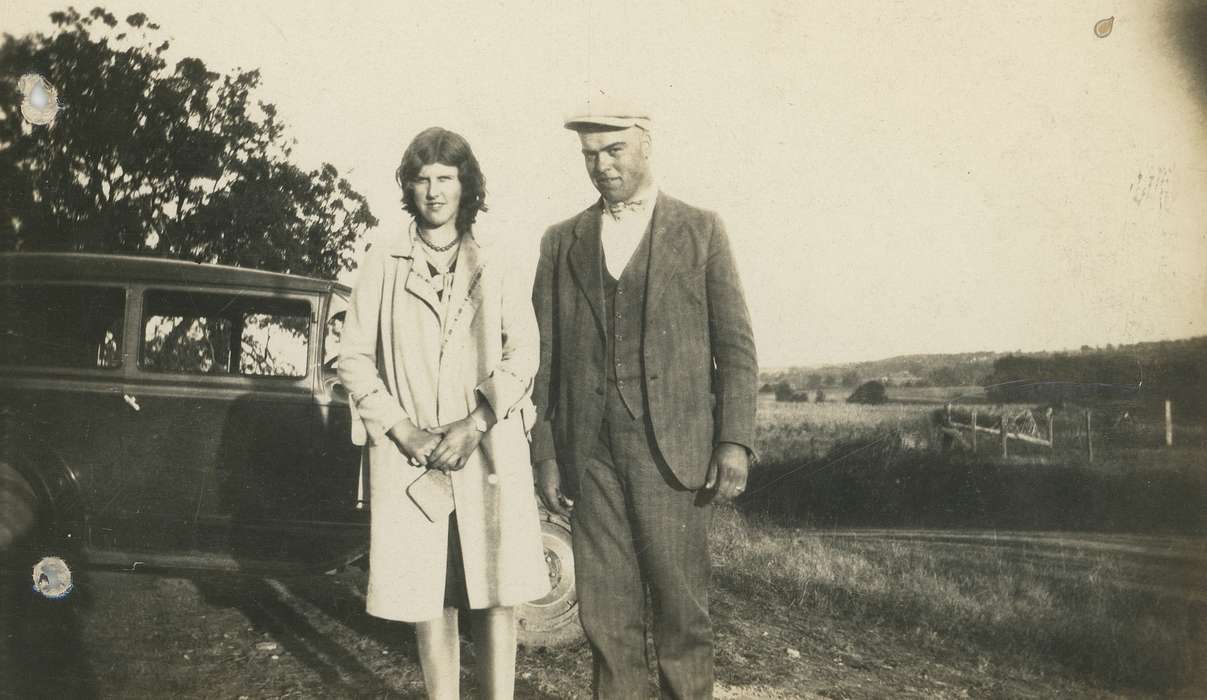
x=872, y=392
x=1147, y=373
x=147, y=158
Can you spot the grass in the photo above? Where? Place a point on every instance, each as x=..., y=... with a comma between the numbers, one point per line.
x=1015, y=605
x=790, y=432
x=938, y=394
x=1122, y=618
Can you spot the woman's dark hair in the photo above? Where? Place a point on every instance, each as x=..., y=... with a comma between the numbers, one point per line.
x=437, y=145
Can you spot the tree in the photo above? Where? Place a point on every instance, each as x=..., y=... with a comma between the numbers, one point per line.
x=783, y=391
x=146, y=159
x=815, y=381
x=850, y=379
x=869, y=392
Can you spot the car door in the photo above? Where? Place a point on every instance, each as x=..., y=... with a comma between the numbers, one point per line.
x=62, y=358
x=221, y=427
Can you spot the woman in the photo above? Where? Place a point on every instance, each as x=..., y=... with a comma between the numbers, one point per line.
x=438, y=352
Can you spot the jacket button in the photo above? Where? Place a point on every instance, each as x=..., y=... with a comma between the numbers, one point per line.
x=599, y=390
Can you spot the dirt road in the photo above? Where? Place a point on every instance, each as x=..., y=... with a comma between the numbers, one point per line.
x=1157, y=564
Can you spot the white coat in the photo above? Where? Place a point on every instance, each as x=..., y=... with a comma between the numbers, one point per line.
x=396, y=362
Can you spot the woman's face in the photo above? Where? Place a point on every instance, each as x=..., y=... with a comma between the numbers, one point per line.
x=436, y=192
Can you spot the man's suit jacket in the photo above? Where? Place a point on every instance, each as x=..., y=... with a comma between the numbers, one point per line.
x=699, y=369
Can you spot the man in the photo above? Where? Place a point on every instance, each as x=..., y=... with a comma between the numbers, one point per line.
x=646, y=398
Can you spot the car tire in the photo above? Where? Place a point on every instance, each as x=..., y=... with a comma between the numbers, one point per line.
x=18, y=509
x=552, y=620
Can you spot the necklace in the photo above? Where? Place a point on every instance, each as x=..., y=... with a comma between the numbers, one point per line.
x=439, y=248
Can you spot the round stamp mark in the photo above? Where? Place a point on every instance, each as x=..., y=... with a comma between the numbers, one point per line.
x=52, y=578
x=39, y=99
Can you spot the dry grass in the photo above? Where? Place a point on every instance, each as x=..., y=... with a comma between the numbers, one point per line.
x=1101, y=613
x=789, y=432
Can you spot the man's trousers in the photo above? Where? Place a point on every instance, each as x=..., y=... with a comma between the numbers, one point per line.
x=633, y=525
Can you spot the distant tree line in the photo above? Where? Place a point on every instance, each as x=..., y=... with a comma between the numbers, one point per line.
x=1149, y=374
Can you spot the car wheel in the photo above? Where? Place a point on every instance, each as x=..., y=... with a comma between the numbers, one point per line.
x=553, y=620
x=18, y=508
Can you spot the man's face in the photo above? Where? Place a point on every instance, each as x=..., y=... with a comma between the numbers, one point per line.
x=436, y=191
x=618, y=162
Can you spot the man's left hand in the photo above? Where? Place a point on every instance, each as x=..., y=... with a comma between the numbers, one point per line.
x=727, y=471
x=460, y=440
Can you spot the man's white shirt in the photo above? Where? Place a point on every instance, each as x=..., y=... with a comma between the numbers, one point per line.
x=621, y=232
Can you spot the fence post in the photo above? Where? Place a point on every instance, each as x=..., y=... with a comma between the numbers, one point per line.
x=1051, y=433
x=974, y=431
x=1168, y=423
x=1089, y=435
x=1005, y=440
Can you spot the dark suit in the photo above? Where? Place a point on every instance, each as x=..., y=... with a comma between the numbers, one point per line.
x=635, y=471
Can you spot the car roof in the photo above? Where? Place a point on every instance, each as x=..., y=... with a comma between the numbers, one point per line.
x=92, y=267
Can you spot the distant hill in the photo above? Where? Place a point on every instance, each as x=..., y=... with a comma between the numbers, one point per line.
x=1151, y=370
x=959, y=369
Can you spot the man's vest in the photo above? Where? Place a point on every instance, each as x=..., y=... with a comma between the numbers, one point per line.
x=625, y=306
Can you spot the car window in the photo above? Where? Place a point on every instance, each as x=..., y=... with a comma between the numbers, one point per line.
x=224, y=334
x=76, y=326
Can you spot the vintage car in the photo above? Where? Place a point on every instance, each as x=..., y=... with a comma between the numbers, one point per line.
x=158, y=415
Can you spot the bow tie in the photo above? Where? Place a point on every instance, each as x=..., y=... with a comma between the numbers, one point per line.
x=619, y=210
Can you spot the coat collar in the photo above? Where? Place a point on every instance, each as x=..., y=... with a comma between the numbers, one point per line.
x=465, y=294
x=466, y=290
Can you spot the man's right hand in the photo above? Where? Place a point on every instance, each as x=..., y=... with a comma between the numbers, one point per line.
x=549, y=488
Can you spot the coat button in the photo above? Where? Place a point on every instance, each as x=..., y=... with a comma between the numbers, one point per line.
x=599, y=390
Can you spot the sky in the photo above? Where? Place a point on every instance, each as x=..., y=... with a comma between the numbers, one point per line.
x=895, y=177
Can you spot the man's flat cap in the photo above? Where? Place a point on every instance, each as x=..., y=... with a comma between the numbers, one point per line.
x=604, y=112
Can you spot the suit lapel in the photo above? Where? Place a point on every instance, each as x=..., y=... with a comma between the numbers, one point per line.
x=586, y=261
x=666, y=242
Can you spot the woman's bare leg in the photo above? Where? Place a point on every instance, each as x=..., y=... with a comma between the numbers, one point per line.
x=440, y=655
x=494, y=647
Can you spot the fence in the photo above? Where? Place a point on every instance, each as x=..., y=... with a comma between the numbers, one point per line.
x=1022, y=426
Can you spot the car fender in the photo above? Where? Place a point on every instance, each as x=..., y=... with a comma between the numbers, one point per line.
x=60, y=517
